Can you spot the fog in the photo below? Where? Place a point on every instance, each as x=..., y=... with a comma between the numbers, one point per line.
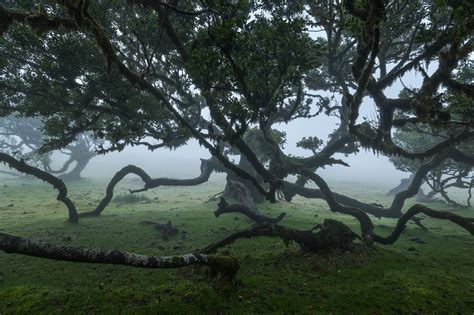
x=365, y=166
x=185, y=161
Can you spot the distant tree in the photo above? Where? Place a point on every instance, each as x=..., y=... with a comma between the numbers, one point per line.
x=449, y=174
x=23, y=138
x=226, y=74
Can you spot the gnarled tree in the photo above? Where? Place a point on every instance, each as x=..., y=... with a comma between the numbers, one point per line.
x=218, y=72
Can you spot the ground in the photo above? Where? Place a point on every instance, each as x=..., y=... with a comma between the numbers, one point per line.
x=408, y=277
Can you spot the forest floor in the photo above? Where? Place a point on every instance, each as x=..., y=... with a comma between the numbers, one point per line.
x=407, y=277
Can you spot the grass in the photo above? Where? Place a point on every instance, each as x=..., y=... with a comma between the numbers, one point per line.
x=436, y=277
x=127, y=198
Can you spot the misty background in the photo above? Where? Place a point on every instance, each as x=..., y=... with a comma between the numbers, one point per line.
x=185, y=161
x=365, y=166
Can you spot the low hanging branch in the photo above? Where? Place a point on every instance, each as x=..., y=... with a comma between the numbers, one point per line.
x=395, y=209
x=224, y=265
x=466, y=223
x=207, y=167
x=109, y=192
x=367, y=225
x=58, y=184
x=332, y=234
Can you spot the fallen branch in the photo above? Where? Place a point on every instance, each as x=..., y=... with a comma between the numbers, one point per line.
x=224, y=265
x=166, y=229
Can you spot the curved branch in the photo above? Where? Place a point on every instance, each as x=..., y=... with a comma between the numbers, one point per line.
x=395, y=209
x=207, y=167
x=58, y=184
x=366, y=224
x=109, y=192
x=224, y=207
x=64, y=167
x=466, y=223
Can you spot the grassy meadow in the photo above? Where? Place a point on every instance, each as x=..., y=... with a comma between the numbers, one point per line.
x=407, y=277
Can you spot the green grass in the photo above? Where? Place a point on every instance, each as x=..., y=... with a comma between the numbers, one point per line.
x=436, y=277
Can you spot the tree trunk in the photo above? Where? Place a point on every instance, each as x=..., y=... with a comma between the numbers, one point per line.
x=231, y=190
x=75, y=173
x=404, y=184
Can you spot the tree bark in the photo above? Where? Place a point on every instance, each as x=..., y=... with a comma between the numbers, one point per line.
x=225, y=265
x=255, y=195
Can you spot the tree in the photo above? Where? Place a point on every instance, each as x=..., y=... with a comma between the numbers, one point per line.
x=450, y=173
x=250, y=66
x=23, y=138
